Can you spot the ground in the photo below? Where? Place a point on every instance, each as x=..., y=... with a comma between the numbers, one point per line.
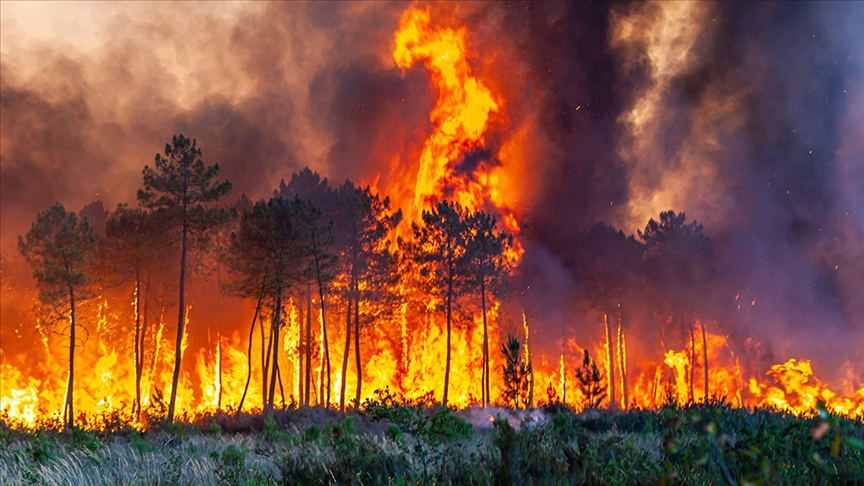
x=391, y=443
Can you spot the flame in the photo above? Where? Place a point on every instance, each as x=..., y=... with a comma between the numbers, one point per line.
x=457, y=162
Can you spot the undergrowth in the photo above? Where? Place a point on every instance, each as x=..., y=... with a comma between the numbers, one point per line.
x=418, y=443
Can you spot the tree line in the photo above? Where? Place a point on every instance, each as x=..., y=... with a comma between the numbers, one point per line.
x=309, y=237
x=335, y=243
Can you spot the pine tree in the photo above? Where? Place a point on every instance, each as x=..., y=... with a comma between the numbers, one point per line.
x=591, y=382
x=186, y=191
x=439, y=250
x=516, y=373
x=60, y=249
x=486, y=255
x=132, y=248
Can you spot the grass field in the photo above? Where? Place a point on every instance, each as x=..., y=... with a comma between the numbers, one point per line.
x=392, y=443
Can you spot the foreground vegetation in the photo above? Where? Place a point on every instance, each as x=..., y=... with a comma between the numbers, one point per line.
x=397, y=443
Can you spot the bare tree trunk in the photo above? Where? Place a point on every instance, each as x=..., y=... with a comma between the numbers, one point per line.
x=308, y=387
x=265, y=362
x=301, y=356
x=692, y=357
x=357, y=344
x=274, y=339
x=181, y=320
x=323, y=326
x=342, y=385
x=528, y=361
x=705, y=357
x=140, y=345
x=70, y=408
x=485, y=384
x=610, y=347
x=281, y=388
x=249, y=350
x=449, y=318
x=219, y=338
x=139, y=363
x=622, y=360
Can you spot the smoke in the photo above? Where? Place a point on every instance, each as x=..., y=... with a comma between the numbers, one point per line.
x=745, y=116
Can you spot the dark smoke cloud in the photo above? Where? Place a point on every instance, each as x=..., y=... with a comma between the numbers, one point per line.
x=784, y=204
x=274, y=87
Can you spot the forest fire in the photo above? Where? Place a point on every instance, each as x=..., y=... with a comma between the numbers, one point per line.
x=421, y=294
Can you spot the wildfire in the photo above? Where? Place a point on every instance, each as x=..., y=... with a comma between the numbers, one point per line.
x=456, y=163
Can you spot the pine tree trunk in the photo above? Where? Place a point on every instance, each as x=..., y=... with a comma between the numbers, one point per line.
x=610, y=347
x=301, y=356
x=357, y=344
x=449, y=318
x=139, y=363
x=274, y=339
x=622, y=362
x=705, y=357
x=485, y=384
x=249, y=350
x=70, y=408
x=181, y=320
x=325, y=397
x=144, y=328
x=308, y=387
x=342, y=385
x=692, y=357
x=265, y=361
x=528, y=360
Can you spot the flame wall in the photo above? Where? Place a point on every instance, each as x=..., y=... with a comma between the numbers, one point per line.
x=744, y=116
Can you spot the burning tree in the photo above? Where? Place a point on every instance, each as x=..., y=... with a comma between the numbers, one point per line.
x=516, y=373
x=608, y=262
x=363, y=223
x=185, y=190
x=318, y=236
x=132, y=249
x=679, y=261
x=486, y=254
x=60, y=248
x=440, y=250
x=268, y=255
x=591, y=382
x=308, y=185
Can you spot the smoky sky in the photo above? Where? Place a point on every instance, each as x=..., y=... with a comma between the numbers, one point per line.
x=274, y=87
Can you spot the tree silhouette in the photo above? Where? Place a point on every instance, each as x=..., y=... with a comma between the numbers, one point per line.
x=363, y=222
x=439, y=250
x=132, y=249
x=516, y=372
x=318, y=236
x=609, y=265
x=60, y=248
x=488, y=265
x=590, y=382
x=185, y=189
x=308, y=185
x=266, y=256
x=679, y=260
